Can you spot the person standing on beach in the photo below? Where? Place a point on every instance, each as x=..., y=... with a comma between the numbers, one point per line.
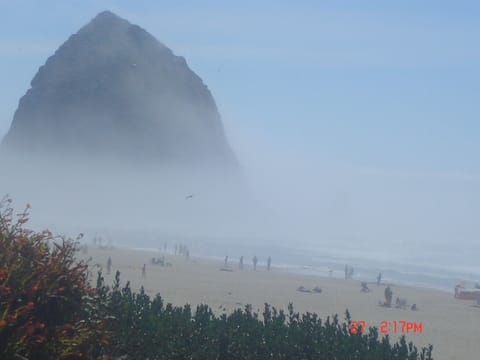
x=240, y=264
x=109, y=265
x=379, y=278
x=144, y=271
x=226, y=261
x=269, y=262
x=255, y=260
x=388, y=296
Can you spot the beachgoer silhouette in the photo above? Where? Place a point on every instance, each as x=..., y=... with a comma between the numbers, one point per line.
x=187, y=255
x=379, y=278
x=144, y=271
x=226, y=261
x=109, y=265
x=346, y=272
x=400, y=303
x=269, y=262
x=255, y=260
x=240, y=264
x=176, y=249
x=388, y=296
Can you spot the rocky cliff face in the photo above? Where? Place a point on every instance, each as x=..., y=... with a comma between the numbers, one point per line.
x=113, y=90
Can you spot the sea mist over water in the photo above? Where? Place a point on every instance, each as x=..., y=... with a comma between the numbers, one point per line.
x=419, y=228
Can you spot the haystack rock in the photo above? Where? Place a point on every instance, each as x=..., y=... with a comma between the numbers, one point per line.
x=113, y=90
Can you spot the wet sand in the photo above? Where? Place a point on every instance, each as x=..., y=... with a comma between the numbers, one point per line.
x=449, y=324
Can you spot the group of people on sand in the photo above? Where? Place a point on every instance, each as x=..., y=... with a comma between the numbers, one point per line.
x=254, y=262
x=348, y=272
x=109, y=267
x=160, y=261
x=400, y=303
x=182, y=250
x=100, y=244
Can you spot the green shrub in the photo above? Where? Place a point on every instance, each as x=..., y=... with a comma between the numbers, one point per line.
x=142, y=328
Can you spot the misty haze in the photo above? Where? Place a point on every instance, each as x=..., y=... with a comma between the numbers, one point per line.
x=320, y=165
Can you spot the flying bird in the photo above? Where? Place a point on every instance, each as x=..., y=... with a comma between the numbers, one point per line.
x=189, y=197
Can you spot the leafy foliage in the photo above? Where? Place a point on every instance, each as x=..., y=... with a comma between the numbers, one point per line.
x=44, y=294
x=145, y=328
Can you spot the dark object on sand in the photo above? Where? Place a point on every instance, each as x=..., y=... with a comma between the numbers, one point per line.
x=365, y=287
x=226, y=269
x=303, y=289
x=463, y=293
x=158, y=261
x=414, y=307
x=109, y=265
x=388, y=296
x=317, y=289
x=401, y=303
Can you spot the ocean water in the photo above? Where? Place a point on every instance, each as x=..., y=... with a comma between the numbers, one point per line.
x=441, y=269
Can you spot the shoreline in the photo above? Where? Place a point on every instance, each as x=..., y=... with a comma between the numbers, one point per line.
x=441, y=280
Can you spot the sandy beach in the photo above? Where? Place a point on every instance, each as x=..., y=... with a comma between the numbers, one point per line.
x=449, y=324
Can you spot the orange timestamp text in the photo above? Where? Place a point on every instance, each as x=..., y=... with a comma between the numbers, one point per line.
x=388, y=327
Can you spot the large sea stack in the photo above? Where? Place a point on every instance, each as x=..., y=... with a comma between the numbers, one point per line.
x=113, y=91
